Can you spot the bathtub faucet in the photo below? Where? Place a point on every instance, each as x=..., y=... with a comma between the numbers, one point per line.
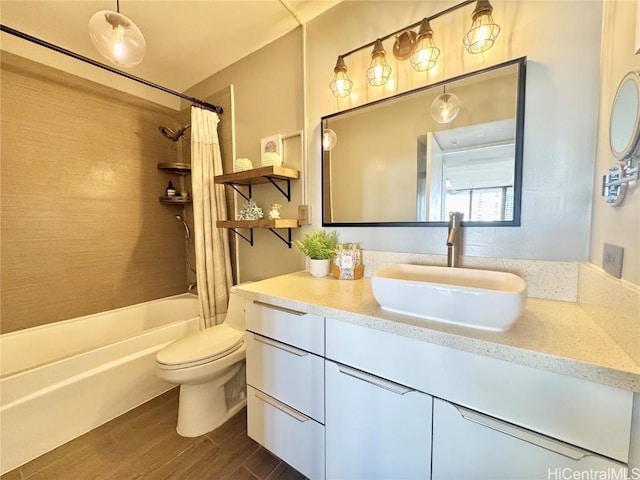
x=191, y=286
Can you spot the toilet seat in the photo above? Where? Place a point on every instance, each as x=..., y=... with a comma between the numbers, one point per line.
x=199, y=348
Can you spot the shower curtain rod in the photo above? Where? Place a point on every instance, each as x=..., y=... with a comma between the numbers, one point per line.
x=90, y=61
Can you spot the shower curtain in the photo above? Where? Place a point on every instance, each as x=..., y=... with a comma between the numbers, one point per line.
x=213, y=260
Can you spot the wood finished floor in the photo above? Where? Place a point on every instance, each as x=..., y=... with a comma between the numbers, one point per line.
x=143, y=444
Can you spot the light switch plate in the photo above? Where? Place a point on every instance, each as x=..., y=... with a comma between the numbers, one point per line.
x=612, y=260
x=303, y=215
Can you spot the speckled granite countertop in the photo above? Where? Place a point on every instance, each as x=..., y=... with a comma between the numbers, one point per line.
x=555, y=336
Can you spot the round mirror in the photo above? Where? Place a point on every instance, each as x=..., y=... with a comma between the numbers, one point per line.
x=624, y=129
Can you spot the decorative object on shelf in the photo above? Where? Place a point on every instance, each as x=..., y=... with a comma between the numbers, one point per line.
x=319, y=247
x=250, y=211
x=171, y=191
x=271, y=151
x=242, y=164
x=419, y=48
x=347, y=263
x=274, y=213
x=117, y=38
x=271, y=159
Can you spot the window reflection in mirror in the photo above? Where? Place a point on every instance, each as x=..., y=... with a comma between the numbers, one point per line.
x=394, y=164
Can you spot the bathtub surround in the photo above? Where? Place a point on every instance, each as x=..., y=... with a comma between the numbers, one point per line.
x=213, y=260
x=80, y=213
x=64, y=379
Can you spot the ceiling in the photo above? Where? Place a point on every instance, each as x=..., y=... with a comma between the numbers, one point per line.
x=187, y=41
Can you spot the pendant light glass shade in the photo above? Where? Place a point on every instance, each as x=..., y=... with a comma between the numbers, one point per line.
x=445, y=107
x=117, y=38
x=341, y=84
x=483, y=31
x=426, y=54
x=379, y=71
x=329, y=139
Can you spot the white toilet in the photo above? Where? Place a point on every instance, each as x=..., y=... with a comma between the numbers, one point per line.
x=202, y=363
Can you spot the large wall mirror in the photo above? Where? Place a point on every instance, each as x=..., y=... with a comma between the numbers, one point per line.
x=392, y=164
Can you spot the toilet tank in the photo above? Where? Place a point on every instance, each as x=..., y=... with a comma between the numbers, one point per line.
x=235, y=312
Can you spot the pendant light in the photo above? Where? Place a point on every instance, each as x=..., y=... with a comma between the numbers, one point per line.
x=341, y=84
x=483, y=31
x=426, y=54
x=445, y=107
x=379, y=71
x=117, y=38
x=329, y=139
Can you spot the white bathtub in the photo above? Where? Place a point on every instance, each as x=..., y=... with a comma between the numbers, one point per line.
x=61, y=380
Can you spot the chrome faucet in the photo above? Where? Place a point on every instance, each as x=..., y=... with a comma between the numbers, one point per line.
x=453, y=239
x=191, y=286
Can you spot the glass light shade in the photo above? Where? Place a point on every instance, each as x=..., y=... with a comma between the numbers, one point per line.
x=445, y=107
x=426, y=55
x=117, y=38
x=341, y=85
x=483, y=31
x=379, y=71
x=329, y=139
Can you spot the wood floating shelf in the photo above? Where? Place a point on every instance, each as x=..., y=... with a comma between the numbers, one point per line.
x=271, y=225
x=174, y=167
x=177, y=200
x=260, y=175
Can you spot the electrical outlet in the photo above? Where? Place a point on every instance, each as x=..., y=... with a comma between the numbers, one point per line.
x=303, y=215
x=612, y=260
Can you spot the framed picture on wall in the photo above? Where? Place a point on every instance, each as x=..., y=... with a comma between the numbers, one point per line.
x=271, y=151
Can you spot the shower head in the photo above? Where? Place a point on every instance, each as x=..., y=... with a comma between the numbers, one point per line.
x=174, y=136
x=187, y=232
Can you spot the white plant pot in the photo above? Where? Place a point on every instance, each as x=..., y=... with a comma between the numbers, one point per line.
x=319, y=268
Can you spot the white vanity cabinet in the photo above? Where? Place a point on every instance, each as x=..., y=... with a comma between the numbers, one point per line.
x=468, y=445
x=375, y=429
x=285, y=385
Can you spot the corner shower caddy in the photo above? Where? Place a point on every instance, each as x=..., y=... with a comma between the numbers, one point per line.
x=248, y=178
x=175, y=168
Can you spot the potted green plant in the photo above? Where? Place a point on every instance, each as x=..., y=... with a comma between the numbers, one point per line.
x=319, y=247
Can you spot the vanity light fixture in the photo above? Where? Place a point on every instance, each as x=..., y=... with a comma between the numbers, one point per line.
x=426, y=54
x=419, y=48
x=379, y=71
x=445, y=107
x=117, y=38
x=341, y=84
x=483, y=31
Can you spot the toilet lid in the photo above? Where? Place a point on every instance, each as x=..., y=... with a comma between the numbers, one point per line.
x=202, y=347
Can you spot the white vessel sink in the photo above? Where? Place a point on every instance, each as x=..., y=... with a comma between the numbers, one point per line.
x=481, y=299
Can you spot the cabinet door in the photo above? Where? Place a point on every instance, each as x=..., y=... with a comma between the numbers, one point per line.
x=473, y=446
x=374, y=428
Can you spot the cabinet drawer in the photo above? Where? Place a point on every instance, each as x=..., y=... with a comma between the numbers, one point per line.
x=288, y=434
x=291, y=375
x=298, y=329
x=472, y=446
x=583, y=413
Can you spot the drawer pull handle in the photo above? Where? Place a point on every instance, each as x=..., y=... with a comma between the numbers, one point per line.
x=520, y=433
x=374, y=380
x=281, y=406
x=280, y=346
x=280, y=309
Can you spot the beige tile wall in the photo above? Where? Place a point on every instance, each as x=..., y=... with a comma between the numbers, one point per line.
x=82, y=230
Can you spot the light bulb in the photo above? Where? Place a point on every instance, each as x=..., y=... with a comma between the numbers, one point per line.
x=329, y=139
x=427, y=53
x=117, y=38
x=445, y=107
x=484, y=31
x=341, y=84
x=379, y=71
